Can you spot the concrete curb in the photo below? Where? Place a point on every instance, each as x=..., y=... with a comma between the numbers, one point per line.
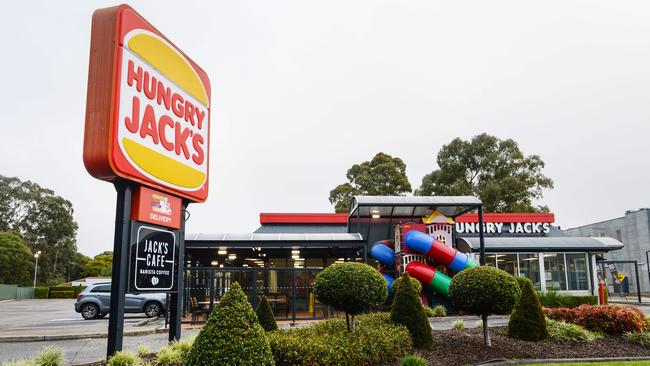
x=501, y=362
x=61, y=337
x=441, y=319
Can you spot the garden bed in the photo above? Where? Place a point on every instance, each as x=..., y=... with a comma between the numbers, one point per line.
x=462, y=347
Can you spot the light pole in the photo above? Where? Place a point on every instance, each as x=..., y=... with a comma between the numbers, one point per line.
x=36, y=266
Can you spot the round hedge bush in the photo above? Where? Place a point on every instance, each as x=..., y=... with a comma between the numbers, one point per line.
x=351, y=287
x=484, y=290
x=232, y=335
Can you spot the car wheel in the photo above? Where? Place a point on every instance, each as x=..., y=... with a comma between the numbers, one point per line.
x=152, y=309
x=89, y=311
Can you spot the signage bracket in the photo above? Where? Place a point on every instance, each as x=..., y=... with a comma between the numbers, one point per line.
x=120, y=265
x=176, y=298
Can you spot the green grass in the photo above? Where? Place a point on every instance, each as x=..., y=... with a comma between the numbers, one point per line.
x=609, y=363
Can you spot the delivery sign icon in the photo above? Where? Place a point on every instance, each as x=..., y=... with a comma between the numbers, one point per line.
x=153, y=127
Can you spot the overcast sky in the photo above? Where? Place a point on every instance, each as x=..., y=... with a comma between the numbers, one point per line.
x=301, y=90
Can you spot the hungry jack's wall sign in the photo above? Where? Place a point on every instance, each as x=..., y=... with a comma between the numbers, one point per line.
x=148, y=108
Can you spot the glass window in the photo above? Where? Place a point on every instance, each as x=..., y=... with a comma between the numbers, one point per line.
x=508, y=263
x=105, y=288
x=554, y=271
x=491, y=260
x=529, y=268
x=577, y=271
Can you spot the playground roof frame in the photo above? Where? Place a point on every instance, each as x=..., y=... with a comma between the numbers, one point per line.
x=375, y=207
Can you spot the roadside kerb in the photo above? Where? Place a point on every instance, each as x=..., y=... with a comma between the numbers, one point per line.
x=60, y=337
x=558, y=360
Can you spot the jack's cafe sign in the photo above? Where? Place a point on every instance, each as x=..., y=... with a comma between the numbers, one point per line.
x=506, y=224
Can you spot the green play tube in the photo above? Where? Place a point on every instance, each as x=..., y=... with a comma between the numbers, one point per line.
x=440, y=283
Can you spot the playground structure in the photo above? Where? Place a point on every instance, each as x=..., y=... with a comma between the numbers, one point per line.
x=424, y=251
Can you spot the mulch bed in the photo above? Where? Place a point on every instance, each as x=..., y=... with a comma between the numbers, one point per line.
x=465, y=346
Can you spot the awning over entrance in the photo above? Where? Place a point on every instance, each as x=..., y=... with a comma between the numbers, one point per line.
x=540, y=244
x=274, y=240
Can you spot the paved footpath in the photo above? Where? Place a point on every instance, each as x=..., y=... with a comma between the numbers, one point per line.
x=83, y=350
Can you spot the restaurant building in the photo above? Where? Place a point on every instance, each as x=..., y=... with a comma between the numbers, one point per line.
x=633, y=230
x=283, y=256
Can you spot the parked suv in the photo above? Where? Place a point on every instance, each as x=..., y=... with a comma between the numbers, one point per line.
x=95, y=302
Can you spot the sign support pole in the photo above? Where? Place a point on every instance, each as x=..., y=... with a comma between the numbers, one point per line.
x=176, y=299
x=481, y=236
x=120, y=266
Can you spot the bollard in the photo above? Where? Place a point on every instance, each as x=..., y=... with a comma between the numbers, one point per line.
x=601, y=292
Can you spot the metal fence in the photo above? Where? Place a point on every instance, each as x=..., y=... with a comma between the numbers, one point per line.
x=15, y=292
x=289, y=291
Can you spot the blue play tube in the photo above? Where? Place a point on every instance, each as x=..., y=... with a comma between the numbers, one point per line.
x=389, y=282
x=383, y=254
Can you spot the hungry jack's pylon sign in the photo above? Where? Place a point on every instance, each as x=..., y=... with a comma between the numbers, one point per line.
x=147, y=124
x=148, y=108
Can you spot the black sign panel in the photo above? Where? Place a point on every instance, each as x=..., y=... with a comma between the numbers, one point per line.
x=153, y=258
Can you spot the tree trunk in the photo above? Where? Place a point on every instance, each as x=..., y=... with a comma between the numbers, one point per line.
x=486, y=331
x=347, y=321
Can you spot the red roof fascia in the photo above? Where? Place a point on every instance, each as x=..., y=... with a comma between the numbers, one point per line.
x=303, y=218
x=509, y=217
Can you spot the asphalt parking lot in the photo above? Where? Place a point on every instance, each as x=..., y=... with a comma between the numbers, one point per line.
x=55, y=316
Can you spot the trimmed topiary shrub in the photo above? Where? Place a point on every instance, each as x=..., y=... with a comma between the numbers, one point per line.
x=527, y=322
x=352, y=288
x=377, y=340
x=603, y=319
x=484, y=291
x=265, y=315
x=41, y=292
x=232, y=335
x=414, y=282
x=407, y=310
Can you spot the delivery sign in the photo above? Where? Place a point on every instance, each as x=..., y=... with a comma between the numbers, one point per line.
x=148, y=108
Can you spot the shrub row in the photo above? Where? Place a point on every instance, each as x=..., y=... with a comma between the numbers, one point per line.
x=62, y=294
x=552, y=299
x=603, y=319
x=376, y=340
x=57, y=292
x=41, y=293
